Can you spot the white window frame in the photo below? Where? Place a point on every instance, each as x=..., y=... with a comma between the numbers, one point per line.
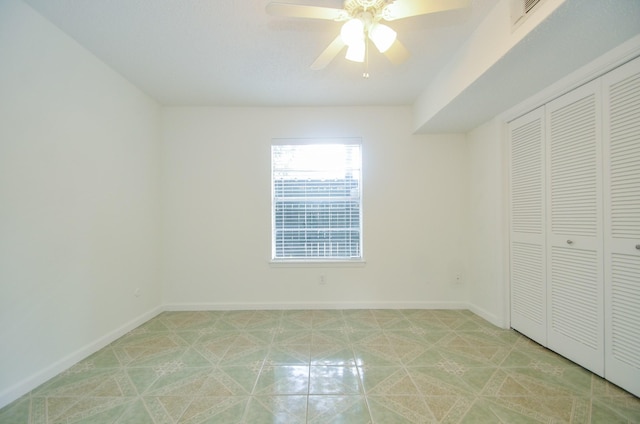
x=317, y=259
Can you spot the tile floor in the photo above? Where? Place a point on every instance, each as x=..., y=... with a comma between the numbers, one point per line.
x=325, y=366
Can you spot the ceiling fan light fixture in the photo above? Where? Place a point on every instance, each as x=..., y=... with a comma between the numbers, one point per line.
x=356, y=52
x=352, y=32
x=382, y=36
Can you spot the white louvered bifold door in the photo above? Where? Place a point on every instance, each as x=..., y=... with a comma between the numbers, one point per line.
x=575, y=320
x=527, y=252
x=621, y=125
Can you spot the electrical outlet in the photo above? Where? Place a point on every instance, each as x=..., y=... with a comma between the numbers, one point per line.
x=322, y=280
x=458, y=278
x=136, y=292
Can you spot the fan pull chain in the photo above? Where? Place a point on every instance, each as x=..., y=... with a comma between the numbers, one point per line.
x=365, y=73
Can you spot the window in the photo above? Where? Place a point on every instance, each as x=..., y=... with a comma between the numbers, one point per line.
x=317, y=208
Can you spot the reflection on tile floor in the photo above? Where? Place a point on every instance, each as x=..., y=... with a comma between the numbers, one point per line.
x=325, y=366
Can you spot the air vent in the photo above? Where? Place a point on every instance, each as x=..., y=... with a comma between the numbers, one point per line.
x=520, y=10
x=528, y=5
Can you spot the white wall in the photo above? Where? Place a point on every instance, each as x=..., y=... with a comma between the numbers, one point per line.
x=488, y=244
x=217, y=223
x=487, y=240
x=82, y=176
x=489, y=43
x=79, y=198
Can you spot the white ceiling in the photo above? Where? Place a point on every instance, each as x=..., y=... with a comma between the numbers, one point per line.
x=230, y=52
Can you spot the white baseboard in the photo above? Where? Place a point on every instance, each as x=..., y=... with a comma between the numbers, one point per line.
x=492, y=318
x=313, y=305
x=25, y=386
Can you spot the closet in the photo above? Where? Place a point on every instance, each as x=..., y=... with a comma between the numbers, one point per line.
x=575, y=225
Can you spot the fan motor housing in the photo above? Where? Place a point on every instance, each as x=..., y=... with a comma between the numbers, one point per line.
x=354, y=7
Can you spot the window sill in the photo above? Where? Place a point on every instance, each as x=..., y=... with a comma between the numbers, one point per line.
x=317, y=263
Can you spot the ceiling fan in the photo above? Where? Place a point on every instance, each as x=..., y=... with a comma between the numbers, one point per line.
x=362, y=23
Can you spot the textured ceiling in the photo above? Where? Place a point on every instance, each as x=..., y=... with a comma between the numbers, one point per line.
x=230, y=52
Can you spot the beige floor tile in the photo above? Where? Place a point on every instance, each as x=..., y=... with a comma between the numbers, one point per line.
x=277, y=410
x=399, y=409
x=338, y=409
x=334, y=380
x=324, y=366
x=283, y=380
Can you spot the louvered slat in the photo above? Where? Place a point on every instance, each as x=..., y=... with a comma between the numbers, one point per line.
x=572, y=166
x=574, y=288
x=624, y=132
x=526, y=178
x=625, y=287
x=527, y=281
x=528, y=226
x=574, y=256
x=622, y=225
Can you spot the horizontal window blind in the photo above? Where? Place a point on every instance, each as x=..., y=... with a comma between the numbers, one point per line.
x=316, y=201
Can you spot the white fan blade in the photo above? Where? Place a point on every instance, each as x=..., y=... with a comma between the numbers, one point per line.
x=397, y=53
x=406, y=8
x=328, y=54
x=302, y=11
